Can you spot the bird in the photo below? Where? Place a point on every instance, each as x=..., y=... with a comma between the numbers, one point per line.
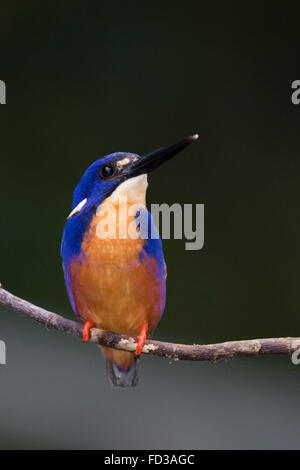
x=117, y=283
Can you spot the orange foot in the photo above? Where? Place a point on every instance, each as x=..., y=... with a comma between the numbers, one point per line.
x=86, y=331
x=141, y=339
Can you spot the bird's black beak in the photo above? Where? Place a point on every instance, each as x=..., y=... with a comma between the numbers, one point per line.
x=153, y=160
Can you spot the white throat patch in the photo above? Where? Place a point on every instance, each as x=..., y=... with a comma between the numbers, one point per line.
x=133, y=189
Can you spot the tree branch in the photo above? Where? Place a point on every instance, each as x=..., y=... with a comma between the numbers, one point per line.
x=209, y=352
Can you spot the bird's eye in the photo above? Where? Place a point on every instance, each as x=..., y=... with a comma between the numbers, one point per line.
x=106, y=171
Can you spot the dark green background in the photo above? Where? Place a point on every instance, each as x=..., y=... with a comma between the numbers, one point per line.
x=85, y=79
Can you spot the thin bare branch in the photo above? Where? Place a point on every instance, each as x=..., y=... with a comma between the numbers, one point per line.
x=208, y=352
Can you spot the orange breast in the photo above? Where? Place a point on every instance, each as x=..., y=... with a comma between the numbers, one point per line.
x=113, y=286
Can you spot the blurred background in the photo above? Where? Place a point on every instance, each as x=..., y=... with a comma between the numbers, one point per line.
x=85, y=79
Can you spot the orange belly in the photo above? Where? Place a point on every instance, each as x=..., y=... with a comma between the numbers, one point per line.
x=113, y=286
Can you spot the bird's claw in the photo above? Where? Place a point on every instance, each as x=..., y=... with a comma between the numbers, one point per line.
x=141, y=339
x=86, y=331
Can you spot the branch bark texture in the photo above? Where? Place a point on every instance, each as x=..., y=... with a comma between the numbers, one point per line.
x=197, y=352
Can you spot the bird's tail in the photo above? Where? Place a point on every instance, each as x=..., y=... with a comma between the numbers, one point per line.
x=121, y=367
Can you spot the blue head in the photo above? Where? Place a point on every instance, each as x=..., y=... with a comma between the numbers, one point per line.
x=101, y=179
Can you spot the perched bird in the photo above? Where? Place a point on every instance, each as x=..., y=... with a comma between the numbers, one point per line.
x=116, y=283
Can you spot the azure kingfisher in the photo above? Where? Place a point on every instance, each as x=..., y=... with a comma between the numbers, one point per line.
x=116, y=284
